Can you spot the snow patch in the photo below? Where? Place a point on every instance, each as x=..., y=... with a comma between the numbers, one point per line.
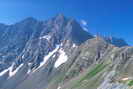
x=61, y=44
x=48, y=56
x=29, y=71
x=29, y=64
x=53, y=56
x=47, y=37
x=59, y=87
x=22, y=56
x=74, y=45
x=3, y=72
x=10, y=69
x=61, y=59
x=11, y=72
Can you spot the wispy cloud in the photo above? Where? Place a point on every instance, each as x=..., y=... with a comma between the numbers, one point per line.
x=84, y=25
x=83, y=22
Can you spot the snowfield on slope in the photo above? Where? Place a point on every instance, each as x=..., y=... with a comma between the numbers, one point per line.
x=48, y=56
x=48, y=37
x=61, y=59
x=10, y=69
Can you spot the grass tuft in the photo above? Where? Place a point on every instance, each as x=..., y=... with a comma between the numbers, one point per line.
x=130, y=83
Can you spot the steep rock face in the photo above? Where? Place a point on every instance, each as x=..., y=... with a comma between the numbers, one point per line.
x=59, y=54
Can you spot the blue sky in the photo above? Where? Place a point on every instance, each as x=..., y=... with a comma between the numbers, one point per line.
x=106, y=17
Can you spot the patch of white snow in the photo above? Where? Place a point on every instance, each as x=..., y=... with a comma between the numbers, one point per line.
x=3, y=72
x=11, y=72
x=48, y=56
x=22, y=56
x=59, y=87
x=29, y=64
x=61, y=59
x=10, y=69
x=29, y=71
x=74, y=45
x=48, y=37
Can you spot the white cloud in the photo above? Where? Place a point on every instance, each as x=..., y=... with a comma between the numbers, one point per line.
x=84, y=25
x=83, y=22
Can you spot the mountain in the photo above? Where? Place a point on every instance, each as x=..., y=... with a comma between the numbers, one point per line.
x=59, y=54
x=116, y=41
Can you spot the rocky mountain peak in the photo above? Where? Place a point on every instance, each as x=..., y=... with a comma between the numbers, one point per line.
x=60, y=16
x=58, y=19
x=66, y=29
x=28, y=20
x=76, y=32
